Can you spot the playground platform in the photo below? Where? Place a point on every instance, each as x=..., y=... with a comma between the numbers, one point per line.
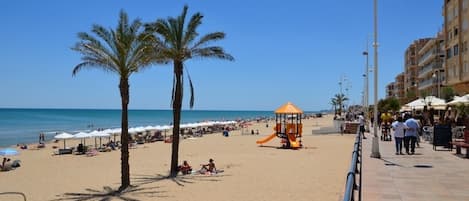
x=428, y=175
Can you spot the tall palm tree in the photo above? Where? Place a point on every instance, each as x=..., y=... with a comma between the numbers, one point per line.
x=340, y=100
x=177, y=43
x=122, y=51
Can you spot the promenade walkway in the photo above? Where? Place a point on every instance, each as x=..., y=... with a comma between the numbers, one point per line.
x=395, y=177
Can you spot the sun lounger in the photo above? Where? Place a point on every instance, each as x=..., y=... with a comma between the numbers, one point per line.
x=92, y=152
x=64, y=151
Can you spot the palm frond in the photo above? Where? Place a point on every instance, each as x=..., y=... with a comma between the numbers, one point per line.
x=212, y=52
x=211, y=37
x=191, y=102
x=191, y=31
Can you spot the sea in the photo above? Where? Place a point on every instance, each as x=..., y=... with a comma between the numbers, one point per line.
x=24, y=125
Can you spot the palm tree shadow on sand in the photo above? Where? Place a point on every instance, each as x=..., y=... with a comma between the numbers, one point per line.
x=108, y=193
x=180, y=180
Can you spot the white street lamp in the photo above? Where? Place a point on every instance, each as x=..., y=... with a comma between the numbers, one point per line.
x=375, y=145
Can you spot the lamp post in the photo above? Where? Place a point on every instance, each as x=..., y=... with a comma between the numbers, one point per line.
x=375, y=145
x=438, y=80
x=365, y=99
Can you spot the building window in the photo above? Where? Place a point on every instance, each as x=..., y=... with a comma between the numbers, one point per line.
x=449, y=53
x=456, y=50
x=455, y=31
x=465, y=3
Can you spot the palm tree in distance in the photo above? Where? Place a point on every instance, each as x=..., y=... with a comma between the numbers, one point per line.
x=122, y=51
x=176, y=41
x=334, y=105
x=340, y=101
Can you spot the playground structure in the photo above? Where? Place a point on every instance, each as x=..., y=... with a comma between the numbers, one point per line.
x=288, y=127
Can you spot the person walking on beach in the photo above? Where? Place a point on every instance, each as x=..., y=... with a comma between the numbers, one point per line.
x=361, y=120
x=410, y=134
x=398, y=127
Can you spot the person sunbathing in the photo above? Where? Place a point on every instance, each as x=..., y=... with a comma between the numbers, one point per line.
x=210, y=167
x=185, y=168
x=6, y=165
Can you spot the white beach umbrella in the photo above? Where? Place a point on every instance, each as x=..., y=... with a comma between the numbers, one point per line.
x=99, y=134
x=82, y=135
x=435, y=103
x=64, y=136
x=417, y=104
x=459, y=100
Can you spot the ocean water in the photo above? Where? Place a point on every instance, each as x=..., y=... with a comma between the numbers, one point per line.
x=24, y=125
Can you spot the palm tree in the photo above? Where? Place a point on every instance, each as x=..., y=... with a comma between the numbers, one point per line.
x=340, y=100
x=122, y=51
x=334, y=104
x=176, y=41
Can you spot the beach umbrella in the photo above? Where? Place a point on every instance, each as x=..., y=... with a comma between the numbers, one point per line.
x=435, y=103
x=459, y=100
x=99, y=134
x=64, y=136
x=82, y=135
x=417, y=104
x=8, y=152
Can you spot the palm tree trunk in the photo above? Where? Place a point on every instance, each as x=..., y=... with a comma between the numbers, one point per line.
x=125, y=170
x=177, y=104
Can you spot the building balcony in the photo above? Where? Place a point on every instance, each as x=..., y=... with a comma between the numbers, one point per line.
x=427, y=83
x=430, y=68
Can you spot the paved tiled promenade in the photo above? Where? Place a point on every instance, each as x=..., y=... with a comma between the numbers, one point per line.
x=394, y=177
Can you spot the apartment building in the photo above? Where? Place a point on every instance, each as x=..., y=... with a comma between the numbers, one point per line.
x=456, y=35
x=399, y=88
x=390, y=90
x=431, y=74
x=411, y=68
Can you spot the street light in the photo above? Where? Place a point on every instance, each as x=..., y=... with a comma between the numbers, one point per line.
x=438, y=80
x=365, y=100
x=375, y=145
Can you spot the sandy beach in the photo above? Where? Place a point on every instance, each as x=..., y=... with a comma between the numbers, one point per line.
x=251, y=172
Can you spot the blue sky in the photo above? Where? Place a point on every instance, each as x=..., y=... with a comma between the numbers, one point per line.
x=285, y=51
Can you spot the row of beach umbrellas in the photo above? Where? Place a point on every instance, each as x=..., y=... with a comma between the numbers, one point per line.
x=107, y=132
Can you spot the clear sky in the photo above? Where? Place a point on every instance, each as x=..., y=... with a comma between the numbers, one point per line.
x=285, y=51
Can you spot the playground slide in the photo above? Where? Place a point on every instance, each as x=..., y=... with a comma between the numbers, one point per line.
x=293, y=142
x=266, y=139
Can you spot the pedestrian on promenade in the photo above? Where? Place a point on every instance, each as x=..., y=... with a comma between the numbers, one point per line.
x=361, y=120
x=399, y=128
x=410, y=133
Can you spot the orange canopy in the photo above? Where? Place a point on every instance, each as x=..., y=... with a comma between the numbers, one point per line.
x=288, y=108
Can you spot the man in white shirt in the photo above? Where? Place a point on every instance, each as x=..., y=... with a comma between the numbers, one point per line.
x=361, y=120
x=399, y=128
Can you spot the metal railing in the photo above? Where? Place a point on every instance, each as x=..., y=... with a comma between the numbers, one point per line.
x=353, y=185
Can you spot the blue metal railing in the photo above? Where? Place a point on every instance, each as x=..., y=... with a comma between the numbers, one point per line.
x=353, y=185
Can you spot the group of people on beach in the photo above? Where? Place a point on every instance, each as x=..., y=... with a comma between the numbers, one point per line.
x=208, y=168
